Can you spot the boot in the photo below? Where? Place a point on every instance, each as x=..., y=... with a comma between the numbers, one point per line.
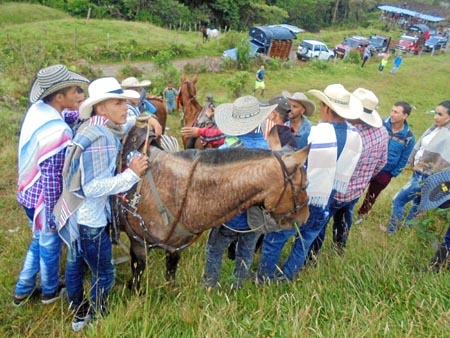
x=441, y=259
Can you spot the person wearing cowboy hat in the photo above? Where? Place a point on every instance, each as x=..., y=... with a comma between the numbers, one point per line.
x=44, y=136
x=240, y=121
x=301, y=106
x=401, y=143
x=435, y=193
x=141, y=105
x=335, y=147
x=430, y=155
x=83, y=209
x=373, y=158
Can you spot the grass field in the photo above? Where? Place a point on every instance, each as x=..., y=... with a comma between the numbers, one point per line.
x=376, y=289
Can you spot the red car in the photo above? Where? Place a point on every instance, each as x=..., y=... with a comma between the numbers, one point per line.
x=358, y=43
x=408, y=44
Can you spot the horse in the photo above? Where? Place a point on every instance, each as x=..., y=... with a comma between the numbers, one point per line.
x=204, y=31
x=161, y=112
x=191, y=107
x=178, y=198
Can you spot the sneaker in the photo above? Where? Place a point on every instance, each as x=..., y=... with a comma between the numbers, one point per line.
x=359, y=220
x=53, y=297
x=80, y=321
x=20, y=300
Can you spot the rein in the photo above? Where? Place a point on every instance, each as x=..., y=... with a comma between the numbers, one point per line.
x=287, y=179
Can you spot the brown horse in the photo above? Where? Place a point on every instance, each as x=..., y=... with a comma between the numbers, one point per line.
x=191, y=107
x=161, y=112
x=188, y=192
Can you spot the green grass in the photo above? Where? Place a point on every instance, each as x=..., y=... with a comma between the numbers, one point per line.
x=376, y=289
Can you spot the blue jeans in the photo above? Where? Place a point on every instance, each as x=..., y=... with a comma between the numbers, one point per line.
x=170, y=106
x=342, y=213
x=42, y=256
x=409, y=192
x=272, y=246
x=308, y=233
x=95, y=252
x=447, y=239
x=218, y=240
x=274, y=242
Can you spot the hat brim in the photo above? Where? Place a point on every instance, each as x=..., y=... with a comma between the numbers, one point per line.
x=235, y=127
x=37, y=93
x=87, y=105
x=373, y=119
x=351, y=111
x=435, y=191
x=143, y=83
x=310, y=107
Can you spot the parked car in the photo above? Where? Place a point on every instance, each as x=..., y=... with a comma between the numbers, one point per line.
x=379, y=44
x=408, y=44
x=309, y=49
x=356, y=42
x=435, y=42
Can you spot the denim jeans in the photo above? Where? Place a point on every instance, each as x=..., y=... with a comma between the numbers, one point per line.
x=218, y=240
x=308, y=233
x=342, y=213
x=272, y=246
x=42, y=256
x=447, y=239
x=409, y=192
x=95, y=252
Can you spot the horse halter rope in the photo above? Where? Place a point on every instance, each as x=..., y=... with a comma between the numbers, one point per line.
x=288, y=179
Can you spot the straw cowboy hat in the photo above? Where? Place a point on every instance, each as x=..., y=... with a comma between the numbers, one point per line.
x=103, y=89
x=310, y=106
x=369, y=102
x=340, y=100
x=132, y=82
x=436, y=191
x=241, y=116
x=53, y=78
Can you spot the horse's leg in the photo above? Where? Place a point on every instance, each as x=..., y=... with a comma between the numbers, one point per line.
x=138, y=257
x=171, y=265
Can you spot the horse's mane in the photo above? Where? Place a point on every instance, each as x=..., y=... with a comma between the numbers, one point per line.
x=215, y=156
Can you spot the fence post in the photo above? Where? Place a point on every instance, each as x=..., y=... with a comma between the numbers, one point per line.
x=88, y=15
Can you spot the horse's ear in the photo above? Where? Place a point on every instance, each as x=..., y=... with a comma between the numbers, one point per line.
x=274, y=139
x=296, y=159
x=182, y=77
x=194, y=79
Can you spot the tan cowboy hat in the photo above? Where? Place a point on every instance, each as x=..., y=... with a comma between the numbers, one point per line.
x=241, y=116
x=310, y=106
x=132, y=82
x=103, y=89
x=340, y=100
x=369, y=101
x=53, y=78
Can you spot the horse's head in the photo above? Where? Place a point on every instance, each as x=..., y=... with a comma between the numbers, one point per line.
x=290, y=201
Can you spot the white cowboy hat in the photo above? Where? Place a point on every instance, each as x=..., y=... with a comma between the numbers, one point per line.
x=241, y=116
x=132, y=82
x=340, y=100
x=103, y=89
x=310, y=106
x=54, y=78
x=369, y=101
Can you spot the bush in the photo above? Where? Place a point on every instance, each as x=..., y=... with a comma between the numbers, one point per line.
x=237, y=84
x=353, y=57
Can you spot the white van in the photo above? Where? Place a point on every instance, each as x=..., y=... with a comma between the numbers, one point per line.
x=314, y=49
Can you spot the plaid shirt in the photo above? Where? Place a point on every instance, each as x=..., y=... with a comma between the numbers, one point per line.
x=372, y=160
x=50, y=183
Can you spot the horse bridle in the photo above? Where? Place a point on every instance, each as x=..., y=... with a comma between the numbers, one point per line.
x=188, y=86
x=288, y=179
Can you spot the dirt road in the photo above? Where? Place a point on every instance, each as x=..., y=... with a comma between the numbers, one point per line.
x=210, y=62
